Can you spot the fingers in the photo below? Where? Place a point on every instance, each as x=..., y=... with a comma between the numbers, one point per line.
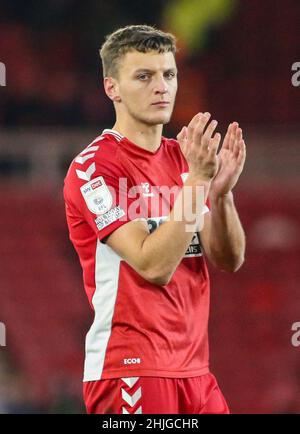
x=182, y=139
x=242, y=153
x=227, y=137
x=232, y=139
x=192, y=125
x=237, y=141
x=201, y=138
x=214, y=144
x=233, y=136
x=196, y=127
x=182, y=136
x=207, y=136
x=200, y=132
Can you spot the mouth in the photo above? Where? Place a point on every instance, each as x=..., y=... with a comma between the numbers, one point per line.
x=161, y=103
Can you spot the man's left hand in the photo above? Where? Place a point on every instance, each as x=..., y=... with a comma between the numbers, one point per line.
x=231, y=159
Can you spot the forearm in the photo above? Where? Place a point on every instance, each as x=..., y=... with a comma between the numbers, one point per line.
x=164, y=248
x=227, y=237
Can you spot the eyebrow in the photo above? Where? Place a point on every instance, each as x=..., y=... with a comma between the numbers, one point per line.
x=152, y=71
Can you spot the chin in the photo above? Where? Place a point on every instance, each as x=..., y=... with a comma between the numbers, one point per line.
x=153, y=119
x=160, y=120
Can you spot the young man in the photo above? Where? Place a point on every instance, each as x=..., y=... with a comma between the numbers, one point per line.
x=144, y=270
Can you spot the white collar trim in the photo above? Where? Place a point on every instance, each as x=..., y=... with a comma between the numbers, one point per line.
x=114, y=133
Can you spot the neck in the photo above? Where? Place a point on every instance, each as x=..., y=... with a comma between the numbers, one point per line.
x=146, y=136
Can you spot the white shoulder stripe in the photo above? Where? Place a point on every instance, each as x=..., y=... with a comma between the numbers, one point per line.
x=96, y=140
x=82, y=160
x=89, y=152
x=91, y=149
x=86, y=176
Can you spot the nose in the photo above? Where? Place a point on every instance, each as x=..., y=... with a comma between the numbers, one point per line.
x=161, y=86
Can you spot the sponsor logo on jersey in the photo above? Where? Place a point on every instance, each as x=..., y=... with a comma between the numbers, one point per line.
x=155, y=222
x=97, y=196
x=194, y=248
x=132, y=361
x=96, y=184
x=109, y=217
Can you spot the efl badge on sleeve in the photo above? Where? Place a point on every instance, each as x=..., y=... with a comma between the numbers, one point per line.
x=97, y=196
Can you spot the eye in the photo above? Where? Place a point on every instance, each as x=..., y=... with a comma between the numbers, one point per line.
x=169, y=75
x=143, y=77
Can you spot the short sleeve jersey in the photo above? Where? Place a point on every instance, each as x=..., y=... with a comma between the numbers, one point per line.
x=139, y=328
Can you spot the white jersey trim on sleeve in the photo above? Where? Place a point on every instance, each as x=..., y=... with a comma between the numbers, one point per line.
x=107, y=267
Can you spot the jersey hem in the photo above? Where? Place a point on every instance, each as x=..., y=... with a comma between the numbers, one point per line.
x=144, y=373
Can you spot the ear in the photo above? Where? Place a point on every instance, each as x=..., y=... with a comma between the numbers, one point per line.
x=111, y=88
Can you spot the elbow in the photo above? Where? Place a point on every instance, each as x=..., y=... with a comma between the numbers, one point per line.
x=152, y=269
x=228, y=263
x=234, y=265
x=157, y=277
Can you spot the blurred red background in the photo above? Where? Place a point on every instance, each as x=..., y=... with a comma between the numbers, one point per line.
x=235, y=63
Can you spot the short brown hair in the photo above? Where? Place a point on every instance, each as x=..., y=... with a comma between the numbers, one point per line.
x=141, y=38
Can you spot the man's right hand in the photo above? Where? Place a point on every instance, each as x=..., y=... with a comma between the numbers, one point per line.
x=155, y=256
x=199, y=147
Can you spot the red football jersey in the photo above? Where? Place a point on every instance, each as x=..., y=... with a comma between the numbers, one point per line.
x=139, y=328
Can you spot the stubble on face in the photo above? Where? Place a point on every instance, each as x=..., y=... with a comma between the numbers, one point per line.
x=145, y=79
